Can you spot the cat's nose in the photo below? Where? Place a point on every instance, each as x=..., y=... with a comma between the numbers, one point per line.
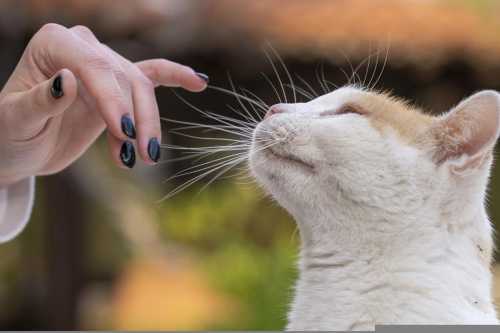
x=275, y=109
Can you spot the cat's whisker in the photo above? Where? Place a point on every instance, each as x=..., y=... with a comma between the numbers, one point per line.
x=276, y=72
x=257, y=98
x=308, y=85
x=301, y=91
x=318, y=78
x=383, y=68
x=232, y=161
x=270, y=82
x=239, y=99
x=374, y=69
x=323, y=78
x=227, y=129
x=367, y=68
x=287, y=72
x=235, y=94
x=211, y=115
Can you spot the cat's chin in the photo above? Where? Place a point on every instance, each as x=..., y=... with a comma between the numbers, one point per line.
x=289, y=159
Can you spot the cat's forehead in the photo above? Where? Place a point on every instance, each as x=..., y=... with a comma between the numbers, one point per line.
x=382, y=110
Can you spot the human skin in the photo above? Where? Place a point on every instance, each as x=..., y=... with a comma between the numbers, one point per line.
x=67, y=89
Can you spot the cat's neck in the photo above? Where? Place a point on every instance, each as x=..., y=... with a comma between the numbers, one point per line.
x=353, y=283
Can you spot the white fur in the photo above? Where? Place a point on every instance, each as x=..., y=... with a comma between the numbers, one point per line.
x=388, y=236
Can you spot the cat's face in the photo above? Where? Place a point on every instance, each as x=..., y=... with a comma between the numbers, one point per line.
x=371, y=151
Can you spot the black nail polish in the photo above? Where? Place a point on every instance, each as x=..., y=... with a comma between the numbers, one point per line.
x=128, y=126
x=127, y=154
x=204, y=77
x=57, y=89
x=154, y=149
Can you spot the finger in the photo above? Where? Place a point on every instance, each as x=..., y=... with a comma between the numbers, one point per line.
x=66, y=50
x=146, y=113
x=122, y=152
x=170, y=74
x=34, y=107
x=147, y=118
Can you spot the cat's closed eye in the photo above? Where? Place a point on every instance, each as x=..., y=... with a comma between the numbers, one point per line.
x=345, y=109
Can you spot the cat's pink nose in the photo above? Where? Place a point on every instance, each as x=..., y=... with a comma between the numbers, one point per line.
x=275, y=109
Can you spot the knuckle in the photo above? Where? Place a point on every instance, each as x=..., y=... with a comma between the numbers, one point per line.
x=98, y=61
x=161, y=62
x=81, y=29
x=50, y=28
x=48, y=31
x=144, y=82
x=120, y=75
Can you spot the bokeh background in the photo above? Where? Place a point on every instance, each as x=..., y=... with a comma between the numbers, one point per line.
x=102, y=253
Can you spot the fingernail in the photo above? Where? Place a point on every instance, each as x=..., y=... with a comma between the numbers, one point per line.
x=204, y=77
x=154, y=149
x=56, y=90
x=127, y=154
x=128, y=126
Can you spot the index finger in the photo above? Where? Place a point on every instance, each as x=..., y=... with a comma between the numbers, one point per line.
x=167, y=73
x=64, y=50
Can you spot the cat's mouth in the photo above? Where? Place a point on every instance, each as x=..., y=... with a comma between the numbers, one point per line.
x=290, y=159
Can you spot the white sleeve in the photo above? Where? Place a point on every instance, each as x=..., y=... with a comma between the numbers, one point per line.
x=16, y=202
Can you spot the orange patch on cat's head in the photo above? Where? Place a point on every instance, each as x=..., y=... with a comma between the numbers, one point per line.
x=386, y=112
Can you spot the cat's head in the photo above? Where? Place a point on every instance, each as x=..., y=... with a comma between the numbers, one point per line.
x=355, y=153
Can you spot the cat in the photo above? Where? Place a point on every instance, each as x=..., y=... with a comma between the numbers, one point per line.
x=390, y=206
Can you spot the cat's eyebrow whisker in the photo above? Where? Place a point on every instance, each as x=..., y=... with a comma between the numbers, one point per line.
x=374, y=69
x=318, y=78
x=323, y=78
x=349, y=80
x=383, y=68
x=358, y=67
x=367, y=69
x=354, y=74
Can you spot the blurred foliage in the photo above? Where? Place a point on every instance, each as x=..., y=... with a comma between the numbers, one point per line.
x=247, y=246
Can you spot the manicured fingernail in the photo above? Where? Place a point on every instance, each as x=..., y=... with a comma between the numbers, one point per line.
x=204, y=77
x=154, y=149
x=127, y=154
x=128, y=126
x=57, y=88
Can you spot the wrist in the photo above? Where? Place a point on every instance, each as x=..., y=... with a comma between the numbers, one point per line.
x=7, y=180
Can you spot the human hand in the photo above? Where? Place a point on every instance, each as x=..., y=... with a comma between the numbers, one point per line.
x=66, y=89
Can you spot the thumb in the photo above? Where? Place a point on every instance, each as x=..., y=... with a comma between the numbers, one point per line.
x=29, y=110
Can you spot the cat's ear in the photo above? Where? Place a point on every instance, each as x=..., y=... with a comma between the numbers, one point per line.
x=466, y=135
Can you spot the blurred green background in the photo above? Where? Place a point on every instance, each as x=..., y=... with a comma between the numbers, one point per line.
x=102, y=253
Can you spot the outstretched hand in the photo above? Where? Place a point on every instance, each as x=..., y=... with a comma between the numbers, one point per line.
x=66, y=89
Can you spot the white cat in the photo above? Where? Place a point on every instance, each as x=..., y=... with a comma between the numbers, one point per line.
x=389, y=202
